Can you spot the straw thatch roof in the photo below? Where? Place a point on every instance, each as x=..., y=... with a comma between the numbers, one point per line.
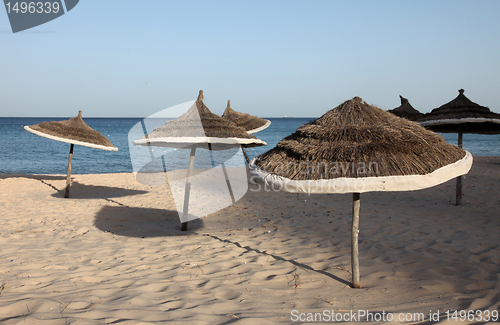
x=199, y=126
x=249, y=122
x=74, y=130
x=464, y=114
x=357, y=140
x=406, y=110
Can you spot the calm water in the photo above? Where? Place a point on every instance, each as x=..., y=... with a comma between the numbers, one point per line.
x=26, y=153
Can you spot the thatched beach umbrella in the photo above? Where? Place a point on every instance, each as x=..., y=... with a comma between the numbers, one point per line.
x=199, y=128
x=357, y=148
x=461, y=115
x=73, y=131
x=406, y=110
x=250, y=123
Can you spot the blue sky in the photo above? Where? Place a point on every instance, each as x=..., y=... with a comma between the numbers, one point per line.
x=121, y=58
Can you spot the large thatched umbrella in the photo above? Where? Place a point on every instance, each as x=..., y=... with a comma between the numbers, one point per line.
x=73, y=131
x=406, y=110
x=250, y=123
x=199, y=128
x=461, y=115
x=356, y=148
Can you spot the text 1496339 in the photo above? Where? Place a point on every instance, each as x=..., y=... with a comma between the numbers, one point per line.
x=32, y=7
x=473, y=315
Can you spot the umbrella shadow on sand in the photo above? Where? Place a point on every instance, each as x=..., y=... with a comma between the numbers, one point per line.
x=141, y=222
x=45, y=179
x=279, y=258
x=34, y=176
x=83, y=191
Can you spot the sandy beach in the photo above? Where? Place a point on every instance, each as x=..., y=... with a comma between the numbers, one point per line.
x=113, y=253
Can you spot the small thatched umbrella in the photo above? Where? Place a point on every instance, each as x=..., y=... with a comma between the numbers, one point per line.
x=461, y=115
x=356, y=148
x=199, y=128
x=406, y=110
x=73, y=131
x=251, y=123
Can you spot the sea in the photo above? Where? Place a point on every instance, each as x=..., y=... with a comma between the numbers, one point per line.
x=25, y=153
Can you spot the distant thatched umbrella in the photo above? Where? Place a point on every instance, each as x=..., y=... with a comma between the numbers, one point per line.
x=73, y=131
x=461, y=115
x=199, y=128
x=356, y=148
x=250, y=123
x=406, y=110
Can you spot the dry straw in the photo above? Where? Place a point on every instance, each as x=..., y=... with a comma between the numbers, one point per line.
x=406, y=110
x=356, y=132
x=199, y=121
x=249, y=122
x=462, y=115
x=74, y=130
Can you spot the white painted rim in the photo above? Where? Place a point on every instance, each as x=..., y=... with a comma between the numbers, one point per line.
x=460, y=121
x=183, y=142
x=265, y=126
x=363, y=184
x=81, y=143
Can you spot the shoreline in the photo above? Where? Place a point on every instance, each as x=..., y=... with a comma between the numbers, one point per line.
x=479, y=158
x=114, y=252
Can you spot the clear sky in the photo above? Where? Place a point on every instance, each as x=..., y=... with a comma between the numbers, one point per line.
x=271, y=58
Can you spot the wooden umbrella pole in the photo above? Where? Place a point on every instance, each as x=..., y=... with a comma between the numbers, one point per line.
x=68, y=179
x=228, y=183
x=245, y=154
x=147, y=137
x=211, y=155
x=165, y=174
x=187, y=189
x=354, y=241
x=459, y=178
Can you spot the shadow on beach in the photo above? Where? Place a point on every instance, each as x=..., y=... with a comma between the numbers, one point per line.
x=277, y=257
x=83, y=191
x=142, y=222
x=34, y=176
x=41, y=178
x=78, y=190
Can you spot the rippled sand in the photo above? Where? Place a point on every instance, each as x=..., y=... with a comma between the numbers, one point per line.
x=114, y=253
